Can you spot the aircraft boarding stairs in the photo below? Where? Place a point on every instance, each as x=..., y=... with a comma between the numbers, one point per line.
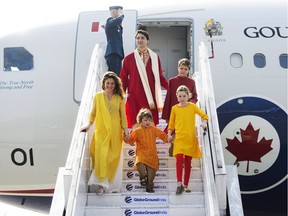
x=73, y=197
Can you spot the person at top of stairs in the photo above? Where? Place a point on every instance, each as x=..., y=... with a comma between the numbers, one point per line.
x=182, y=120
x=147, y=162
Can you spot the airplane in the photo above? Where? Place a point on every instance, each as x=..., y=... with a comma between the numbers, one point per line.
x=44, y=71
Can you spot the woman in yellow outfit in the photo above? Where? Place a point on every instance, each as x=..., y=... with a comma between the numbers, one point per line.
x=108, y=113
x=182, y=120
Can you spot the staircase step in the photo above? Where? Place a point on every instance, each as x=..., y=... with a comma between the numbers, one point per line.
x=160, y=185
x=160, y=199
x=164, y=162
x=172, y=210
x=169, y=173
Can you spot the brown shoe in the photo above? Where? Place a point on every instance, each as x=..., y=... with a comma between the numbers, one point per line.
x=186, y=189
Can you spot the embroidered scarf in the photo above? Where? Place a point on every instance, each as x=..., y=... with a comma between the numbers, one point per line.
x=144, y=79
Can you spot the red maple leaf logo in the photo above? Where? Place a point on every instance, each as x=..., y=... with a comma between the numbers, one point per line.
x=249, y=149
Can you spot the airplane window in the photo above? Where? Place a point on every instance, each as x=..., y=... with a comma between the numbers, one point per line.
x=283, y=58
x=17, y=59
x=259, y=60
x=236, y=60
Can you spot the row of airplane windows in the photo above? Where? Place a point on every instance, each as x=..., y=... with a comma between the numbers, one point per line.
x=259, y=59
x=20, y=59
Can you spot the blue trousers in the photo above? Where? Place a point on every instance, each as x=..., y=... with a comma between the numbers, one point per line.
x=114, y=63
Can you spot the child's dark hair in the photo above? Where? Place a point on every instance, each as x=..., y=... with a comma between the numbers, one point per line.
x=144, y=112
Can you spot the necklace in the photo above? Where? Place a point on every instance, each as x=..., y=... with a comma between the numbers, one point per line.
x=144, y=56
x=109, y=102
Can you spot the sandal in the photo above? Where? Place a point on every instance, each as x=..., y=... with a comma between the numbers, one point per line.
x=143, y=181
x=100, y=190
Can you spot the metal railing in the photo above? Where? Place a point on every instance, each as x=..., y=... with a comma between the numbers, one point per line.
x=70, y=176
x=214, y=153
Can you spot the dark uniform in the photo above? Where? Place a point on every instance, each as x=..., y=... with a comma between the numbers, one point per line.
x=114, y=50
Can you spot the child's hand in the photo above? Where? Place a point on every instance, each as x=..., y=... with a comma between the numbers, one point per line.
x=170, y=138
x=126, y=138
x=204, y=124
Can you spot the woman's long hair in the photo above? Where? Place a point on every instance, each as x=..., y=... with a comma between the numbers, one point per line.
x=118, y=84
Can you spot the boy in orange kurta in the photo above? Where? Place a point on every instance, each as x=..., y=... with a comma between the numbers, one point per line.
x=147, y=162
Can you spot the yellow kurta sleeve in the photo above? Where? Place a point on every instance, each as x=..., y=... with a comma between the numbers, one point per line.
x=201, y=113
x=92, y=115
x=123, y=117
x=171, y=125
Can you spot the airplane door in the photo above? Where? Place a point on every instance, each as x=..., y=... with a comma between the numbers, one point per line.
x=90, y=31
x=170, y=43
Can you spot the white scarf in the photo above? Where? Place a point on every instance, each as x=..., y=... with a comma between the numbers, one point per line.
x=144, y=79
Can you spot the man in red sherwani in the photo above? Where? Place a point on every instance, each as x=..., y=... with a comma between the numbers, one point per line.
x=142, y=77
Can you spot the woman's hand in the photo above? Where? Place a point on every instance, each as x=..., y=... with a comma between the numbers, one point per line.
x=126, y=134
x=86, y=128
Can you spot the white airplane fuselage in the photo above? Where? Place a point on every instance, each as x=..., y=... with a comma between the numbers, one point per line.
x=44, y=69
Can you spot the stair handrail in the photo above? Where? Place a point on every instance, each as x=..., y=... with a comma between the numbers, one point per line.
x=210, y=194
x=68, y=178
x=207, y=103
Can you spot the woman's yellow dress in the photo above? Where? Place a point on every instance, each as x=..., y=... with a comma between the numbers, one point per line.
x=110, y=118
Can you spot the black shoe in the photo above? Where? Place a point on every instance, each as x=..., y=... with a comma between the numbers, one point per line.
x=179, y=190
x=149, y=190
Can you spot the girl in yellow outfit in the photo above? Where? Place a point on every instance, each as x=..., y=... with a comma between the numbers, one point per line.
x=182, y=120
x=147, y=162
x=108, y=112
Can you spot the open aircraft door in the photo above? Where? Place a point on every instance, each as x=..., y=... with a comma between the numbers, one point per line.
x=90, y=31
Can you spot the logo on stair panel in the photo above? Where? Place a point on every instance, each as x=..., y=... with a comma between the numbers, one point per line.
x=131, y=152
x=147, y=199
x=129, y=187
x=128, y=199
x=128, y=212
x=161, y=174
x=144, y=211
x=130, y=174
x=163, y=163
x=130, y=163
x=135, y=186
